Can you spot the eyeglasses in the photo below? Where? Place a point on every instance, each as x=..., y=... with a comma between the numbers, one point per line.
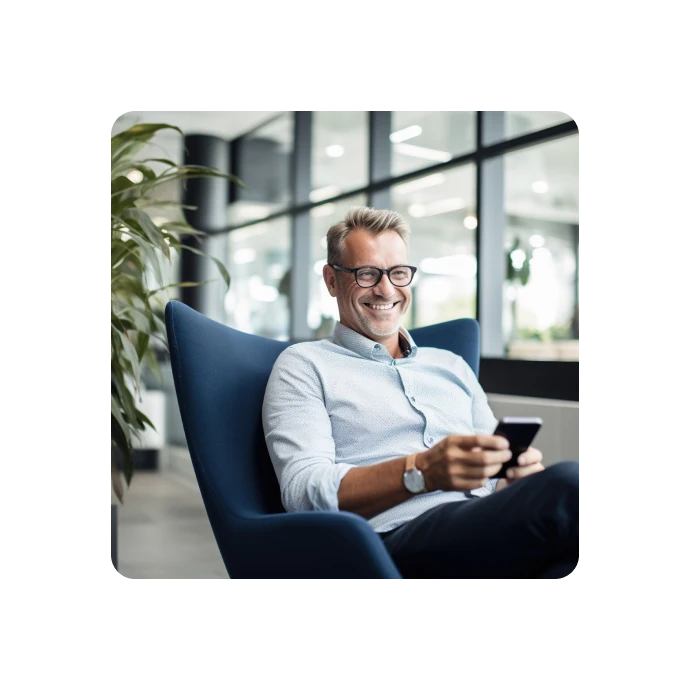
x=369, y=276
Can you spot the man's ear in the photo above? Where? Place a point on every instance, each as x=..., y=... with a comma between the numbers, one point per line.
x=329, y=278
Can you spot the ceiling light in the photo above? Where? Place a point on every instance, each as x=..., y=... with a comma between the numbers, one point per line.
x=540, y=187
x=250, y=211
x=461, y=265
x=537, y=241
x=421, y=183
x=244, y=256
x=245, y=233
x=405, y=134
x=470, y=222
x=323, y=193
x=334, y=151
x=135, y=176
x=435, y=208
x=322, y=211
x=421, y=152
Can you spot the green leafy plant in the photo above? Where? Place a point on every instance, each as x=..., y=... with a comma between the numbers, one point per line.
x=141, y=250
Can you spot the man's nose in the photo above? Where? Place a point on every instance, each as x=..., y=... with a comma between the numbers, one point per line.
x=384, y=288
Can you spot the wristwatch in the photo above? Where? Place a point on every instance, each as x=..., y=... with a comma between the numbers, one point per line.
x=413, y=479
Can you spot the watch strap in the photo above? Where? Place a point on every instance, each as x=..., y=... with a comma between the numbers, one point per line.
x=409, y=462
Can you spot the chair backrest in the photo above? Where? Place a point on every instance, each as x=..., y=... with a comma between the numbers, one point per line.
x=220, y=377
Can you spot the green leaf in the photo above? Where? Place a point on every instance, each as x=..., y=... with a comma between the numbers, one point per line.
x=183, y=284
x=137, y=133
x=141, y=344
x=132, y=357
x=151, y=361
x=141, y=219
x=151, y=257
x=221, y=268
x=145, y=420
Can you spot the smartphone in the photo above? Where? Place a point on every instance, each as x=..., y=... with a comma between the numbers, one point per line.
x=520, y=432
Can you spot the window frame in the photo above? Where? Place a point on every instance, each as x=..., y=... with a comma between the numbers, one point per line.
x=557, y=380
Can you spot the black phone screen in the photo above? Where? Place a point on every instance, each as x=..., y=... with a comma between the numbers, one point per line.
x=520, y=435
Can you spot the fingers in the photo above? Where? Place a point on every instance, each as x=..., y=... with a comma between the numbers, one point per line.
x=477, y=440
x=531, y=456
x=515, y=473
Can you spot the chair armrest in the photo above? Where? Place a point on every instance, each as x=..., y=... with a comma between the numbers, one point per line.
x=310, y=545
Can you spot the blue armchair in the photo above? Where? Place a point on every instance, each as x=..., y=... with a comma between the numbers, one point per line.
x=220, y=376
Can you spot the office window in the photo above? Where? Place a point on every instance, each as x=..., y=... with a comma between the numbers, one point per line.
x=423, y=138
x=323, y=309
x=508, y=124
x=264, y=158
x=541, y=244
x=440, y=209
x=339, y=152
x=258, y=261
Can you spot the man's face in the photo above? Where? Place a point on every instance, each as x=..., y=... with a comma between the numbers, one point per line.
x=357, y=305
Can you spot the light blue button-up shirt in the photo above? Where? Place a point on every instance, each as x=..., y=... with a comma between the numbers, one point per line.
x=332, y=405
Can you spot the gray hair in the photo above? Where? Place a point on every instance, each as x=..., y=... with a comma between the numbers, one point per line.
x=372, y=220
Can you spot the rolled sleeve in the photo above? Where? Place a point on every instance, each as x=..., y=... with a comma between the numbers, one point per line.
x=299, y=436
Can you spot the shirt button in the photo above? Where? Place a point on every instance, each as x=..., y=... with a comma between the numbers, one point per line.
x=430, y=440
x=412, y=399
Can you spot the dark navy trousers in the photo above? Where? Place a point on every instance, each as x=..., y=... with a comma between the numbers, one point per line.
x=528, y=530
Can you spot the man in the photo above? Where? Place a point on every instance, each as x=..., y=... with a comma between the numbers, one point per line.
x=369, y=423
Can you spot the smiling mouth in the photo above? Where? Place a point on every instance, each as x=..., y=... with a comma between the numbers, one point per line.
x=387, y=306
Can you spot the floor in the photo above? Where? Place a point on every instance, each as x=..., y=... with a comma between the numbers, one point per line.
x=163, y=530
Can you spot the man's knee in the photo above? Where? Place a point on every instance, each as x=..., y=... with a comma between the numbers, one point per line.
x=563, y=476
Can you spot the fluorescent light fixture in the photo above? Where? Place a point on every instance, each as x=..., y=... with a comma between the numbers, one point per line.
x=318, y=266
x=462, y=265
x=537, y=241
x=405, y=134
x=135, y=176
x=323, y=193
x=421, y=152
x=324, y=242
x=421, y=183
x=322, y=211
x=244, y=256
x=334, y=151
x=470, y=222
x=246, y=233
x=540, y=187
x=250, y=211
x=435, y=208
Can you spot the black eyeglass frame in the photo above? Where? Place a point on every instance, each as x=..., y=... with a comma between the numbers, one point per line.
x=381, y=271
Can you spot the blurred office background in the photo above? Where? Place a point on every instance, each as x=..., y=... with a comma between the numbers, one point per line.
x=492, y=201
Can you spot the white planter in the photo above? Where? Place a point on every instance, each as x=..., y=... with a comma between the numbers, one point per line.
x=153, y=406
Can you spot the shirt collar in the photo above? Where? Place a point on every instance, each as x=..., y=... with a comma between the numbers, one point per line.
x=361, y=345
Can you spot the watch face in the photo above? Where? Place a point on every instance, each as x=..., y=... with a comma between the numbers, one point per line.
x=414, y=481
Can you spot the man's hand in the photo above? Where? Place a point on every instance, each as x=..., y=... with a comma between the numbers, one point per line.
x=528, y=463
x=463, y=463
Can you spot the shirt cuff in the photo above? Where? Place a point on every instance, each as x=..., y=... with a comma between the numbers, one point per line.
x=323, y=485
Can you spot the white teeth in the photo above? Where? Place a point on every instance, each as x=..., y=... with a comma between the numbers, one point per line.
x=381, y=306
